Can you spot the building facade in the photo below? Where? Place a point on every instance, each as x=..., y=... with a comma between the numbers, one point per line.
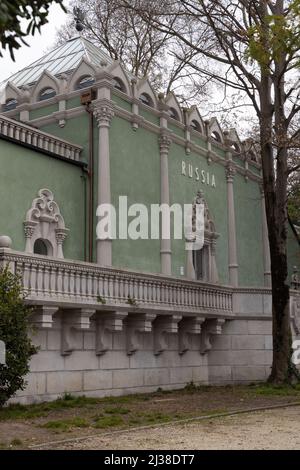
x=126, y=315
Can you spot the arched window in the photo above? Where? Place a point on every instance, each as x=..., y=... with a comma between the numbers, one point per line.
x=118, y=84
x=216, y=136
x=46, y=94
x=85, y=82
x=44, y=227
x=10, y=104
x=146, y=99
x=235, y=147
x=174, y=114
x=41, y=247
x=252, y=156
x=196, y=125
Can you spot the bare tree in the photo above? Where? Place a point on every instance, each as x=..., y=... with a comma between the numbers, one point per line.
x=141, y=48
x=254, y=45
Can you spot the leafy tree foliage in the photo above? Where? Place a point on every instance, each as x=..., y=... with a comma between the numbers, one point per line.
x=14, y=328
x=13, y=30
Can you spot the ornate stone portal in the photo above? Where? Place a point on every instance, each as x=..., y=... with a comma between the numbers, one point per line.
x=45, y=226
x=208, y=252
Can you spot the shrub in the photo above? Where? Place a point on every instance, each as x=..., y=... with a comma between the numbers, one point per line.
x=14, y=328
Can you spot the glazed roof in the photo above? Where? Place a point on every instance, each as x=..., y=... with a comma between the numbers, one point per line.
x=62, y=59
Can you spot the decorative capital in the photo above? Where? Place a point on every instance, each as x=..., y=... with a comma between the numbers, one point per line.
x=230, y=172
x=164, y=143
x=104, y=113
x=29, y=228
x=61, y=235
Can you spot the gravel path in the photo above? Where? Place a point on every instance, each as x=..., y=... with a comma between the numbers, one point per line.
x=275, y=429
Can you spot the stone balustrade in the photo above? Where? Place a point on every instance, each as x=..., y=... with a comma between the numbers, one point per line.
x=28, y=135
x=65, y=283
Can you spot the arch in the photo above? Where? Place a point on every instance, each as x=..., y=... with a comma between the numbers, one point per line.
x=144, y=88
x=11, y=92
x=84, y=69
x=118, y=84
x=47, y=93
x=44, y=223
x=10, y=104
x=146, y=99
x=233, y=140
x=195, y=125
x=173, y=113
x=215, y=131
x=194, y=120
x=46, y=81
x=174, y=107
x=42, y=247
x=117, y=72
x=85, y=81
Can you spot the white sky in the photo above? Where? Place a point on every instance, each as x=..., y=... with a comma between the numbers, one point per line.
x=38, y=44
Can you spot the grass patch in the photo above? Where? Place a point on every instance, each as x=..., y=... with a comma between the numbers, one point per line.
x=117, y=410
x=273, y=390
x=154, y=417
x=108, y=422
x=67, y=424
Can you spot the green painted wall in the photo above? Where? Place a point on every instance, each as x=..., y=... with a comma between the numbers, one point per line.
x=183, y=189
x=44, y=111
x=135, y=167
x=23, y=173
x=74, y=102
x=248, y=213
x=122, y=103
x=199, y=141
x=177, y=130
x=76, y=131
x=149, y=116
x=135, y=172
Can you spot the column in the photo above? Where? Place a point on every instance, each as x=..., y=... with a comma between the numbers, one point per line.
x=165, y=245
x=103, y=112
x=266, y=247
x=232, y=246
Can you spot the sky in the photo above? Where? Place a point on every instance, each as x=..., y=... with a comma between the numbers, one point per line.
x=38, y=44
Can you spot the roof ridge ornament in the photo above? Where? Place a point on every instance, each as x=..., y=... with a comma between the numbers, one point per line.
x=79, y=19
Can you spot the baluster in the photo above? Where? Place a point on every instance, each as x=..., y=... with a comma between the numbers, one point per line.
x=72, y=283
x=32, y=280
x=46, y=286
x=53, y=280
x=40, y=279
x=89, y=284
x=26, y=277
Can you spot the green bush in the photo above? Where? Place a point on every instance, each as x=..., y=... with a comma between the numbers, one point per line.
x=14, y=328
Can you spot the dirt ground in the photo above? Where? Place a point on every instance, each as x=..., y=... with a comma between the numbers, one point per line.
x=72, y=417
x=276, y=429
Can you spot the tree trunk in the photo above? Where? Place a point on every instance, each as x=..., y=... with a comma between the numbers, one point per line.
x=276, y=208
